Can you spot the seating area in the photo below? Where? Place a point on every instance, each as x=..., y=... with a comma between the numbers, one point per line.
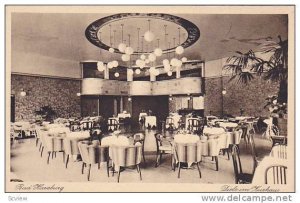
x=149, y=97
x=155, y=152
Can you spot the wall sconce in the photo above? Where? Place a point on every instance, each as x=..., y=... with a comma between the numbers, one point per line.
x=129, y=99
x=78, y=94
x=170, y=97
x=23, y=93
x=224, y=91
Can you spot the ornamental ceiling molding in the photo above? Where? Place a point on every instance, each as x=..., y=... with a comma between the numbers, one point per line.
x=92, y=30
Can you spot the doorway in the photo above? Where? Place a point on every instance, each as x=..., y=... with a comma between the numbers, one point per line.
x=12, y=108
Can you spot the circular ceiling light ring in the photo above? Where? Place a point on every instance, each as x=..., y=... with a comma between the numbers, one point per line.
x=92, y=30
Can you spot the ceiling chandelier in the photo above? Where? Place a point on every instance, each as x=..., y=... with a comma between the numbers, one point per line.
x=148, y=51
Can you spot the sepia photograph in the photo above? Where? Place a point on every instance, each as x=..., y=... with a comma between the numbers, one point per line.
x=149, y=98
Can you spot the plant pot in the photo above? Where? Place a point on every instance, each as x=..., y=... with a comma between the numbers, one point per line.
x=282, y=126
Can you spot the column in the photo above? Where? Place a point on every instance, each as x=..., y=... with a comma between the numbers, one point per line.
x=121, y=104
x=106, y=72
x=129, y=74
x=152, y=77
x=178, y=71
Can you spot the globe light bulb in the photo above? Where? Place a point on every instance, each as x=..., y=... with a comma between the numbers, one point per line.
x=23, y=93
x=128, y=50
x=158, y=52
x=110, y=65
x=130, y=71
x=138, y=62
x=184, y=59
x=169, y=73
x=125, y=57
x=166, y=62
x=179, y=50
x=178, y=63
x=100, y=66
x=115, y=63
x=111, y=50
x=137, y=71
x=151, y=70
x=143, y=57
x=142, y=63
x=117, y=74
x=167, y=67
x=173, y=61
x=149, y=36
x=122, y=47
x=100, y=63
x=152, y=57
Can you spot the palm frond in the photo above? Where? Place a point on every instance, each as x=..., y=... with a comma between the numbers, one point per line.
x=245, y=77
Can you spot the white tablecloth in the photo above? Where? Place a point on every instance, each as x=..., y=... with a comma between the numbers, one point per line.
x=228, y=125
x=54, y=125
x=259, y=175
x=241, y=118
x=124, y=115
x=213, y=130
x=150, y=121
x=218, y=120
x=186, y=138
x=142, y=115
x=56, y=131
x=176, y=119
x=115, y=140
x=78, y=134
x=22, y=125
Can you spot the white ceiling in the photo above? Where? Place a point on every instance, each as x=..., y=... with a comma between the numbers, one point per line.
x=62, y=36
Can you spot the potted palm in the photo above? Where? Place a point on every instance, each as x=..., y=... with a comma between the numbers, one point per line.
x=245, y=66
x=46, y=112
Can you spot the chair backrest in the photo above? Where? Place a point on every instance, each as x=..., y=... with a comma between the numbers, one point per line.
x=222, y=141
x=237, y=166
x=278, y=174
x=188, y=153
x=209, y=147
x=126, y=155
x=194, y=124
x=74, y=126
x=170, y=122
x=87, y=125
x=91, y=152
x=279, y=151
x=160, y=140
x=237, y=135
x=113, y=124
x=71, y=145
x=53, y=143
x=139, y=137
x=253, y=150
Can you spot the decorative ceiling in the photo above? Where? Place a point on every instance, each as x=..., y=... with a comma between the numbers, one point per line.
x=130, y=28
x=62, y=35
